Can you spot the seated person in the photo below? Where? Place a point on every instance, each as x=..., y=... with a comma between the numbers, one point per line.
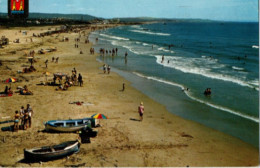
x=31, y=69
x=65, y=87
x=10, y=91
x=61, y=87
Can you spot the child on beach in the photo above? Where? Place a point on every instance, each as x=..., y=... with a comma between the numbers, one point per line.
x=141, y=111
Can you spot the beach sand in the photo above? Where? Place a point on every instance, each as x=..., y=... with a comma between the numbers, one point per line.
x=161, y=139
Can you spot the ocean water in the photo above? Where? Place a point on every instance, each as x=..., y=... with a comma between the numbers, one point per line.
x=221, y=56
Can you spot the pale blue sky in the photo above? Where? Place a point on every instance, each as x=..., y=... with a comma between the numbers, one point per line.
x=227, y=10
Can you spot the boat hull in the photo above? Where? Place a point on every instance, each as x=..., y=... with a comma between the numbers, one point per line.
x=51, y=128
x=68, y=125
x=47, y=154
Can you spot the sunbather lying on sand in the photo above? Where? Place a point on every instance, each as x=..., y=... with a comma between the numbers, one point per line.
x=25, y=91
x=81, y=103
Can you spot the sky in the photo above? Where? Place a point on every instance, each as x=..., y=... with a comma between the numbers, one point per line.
x=224, y=10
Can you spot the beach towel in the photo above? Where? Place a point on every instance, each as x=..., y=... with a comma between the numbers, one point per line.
x=5, y=95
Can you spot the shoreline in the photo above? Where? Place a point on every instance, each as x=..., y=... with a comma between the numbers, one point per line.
x=162, y=139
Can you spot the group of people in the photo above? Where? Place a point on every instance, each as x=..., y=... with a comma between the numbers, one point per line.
x=74, y=75
x=103, y=51
x=207, y=91
x=76, y=45
x=30, y=69
x=92, y=51
x=23, y=118
x=106, y=68
x=56, y=60
x=70, y=80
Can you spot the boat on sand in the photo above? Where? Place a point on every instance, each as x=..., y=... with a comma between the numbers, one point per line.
x=47, y=153
x=68, y=125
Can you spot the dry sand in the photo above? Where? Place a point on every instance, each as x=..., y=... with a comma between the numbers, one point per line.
x=161, y=139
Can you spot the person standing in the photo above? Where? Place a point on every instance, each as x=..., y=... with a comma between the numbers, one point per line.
x=30, y=113
x=162, y=59
x=141, y=111
x=16, y=121
x=46, y=63
x=123, y=87
x=108, y=69
x=104, y=68
x=26, y=120
x=22, y=116
x=80, y=80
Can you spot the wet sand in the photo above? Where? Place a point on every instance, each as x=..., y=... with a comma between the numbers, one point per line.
x=161, y=139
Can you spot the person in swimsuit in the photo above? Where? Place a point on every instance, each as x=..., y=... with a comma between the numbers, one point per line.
x=108, y=69
x=104, y=68
x=26, y=119
x=16, y=121
x=30, y=113
x=141, y=111
x=22, y=116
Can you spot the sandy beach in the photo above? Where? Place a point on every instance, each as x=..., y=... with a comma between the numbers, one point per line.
x=160, y=140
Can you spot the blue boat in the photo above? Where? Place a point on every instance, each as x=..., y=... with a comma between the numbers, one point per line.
x=47, y=153
x=69, y=125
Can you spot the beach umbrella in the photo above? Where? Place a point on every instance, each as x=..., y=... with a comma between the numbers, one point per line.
x=10, y=80
x=99, y=116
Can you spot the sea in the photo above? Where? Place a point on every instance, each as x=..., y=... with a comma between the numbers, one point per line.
x=175, y=62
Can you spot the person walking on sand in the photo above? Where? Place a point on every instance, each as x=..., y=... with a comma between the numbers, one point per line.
x=123, y=87
x=104, y=68
x=141, y=111
x=16, y=121
x=108, y=69
x=46, y=63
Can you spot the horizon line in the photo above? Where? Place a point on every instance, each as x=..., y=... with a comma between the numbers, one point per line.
x=145, y=17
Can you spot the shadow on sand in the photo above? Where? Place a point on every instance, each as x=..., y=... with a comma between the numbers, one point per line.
x=133, y=119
